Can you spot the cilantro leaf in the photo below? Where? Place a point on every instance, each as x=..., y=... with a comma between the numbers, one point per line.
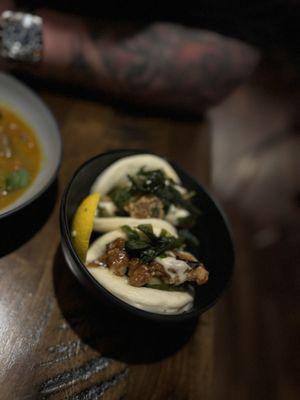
x=120, y=196
x=17, y=180
x=145, y=245
x=131, y=233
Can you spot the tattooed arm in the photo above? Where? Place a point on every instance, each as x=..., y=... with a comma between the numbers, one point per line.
x=163, y=65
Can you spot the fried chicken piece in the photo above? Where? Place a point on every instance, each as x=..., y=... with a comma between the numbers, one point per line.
x=134, y=263
x=147, y=206
x=198, y=275
x=116, y=257
x=138, y=273
x=158, y=271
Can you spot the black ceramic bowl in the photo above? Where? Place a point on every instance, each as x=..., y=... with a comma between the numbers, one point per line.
x=216, y=249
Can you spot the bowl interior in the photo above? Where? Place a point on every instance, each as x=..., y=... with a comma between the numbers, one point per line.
x=19, y=98
x=215, y=250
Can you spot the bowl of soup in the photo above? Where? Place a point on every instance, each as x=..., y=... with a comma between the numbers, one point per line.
x=30, y=146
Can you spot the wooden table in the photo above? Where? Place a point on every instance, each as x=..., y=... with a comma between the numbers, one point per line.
x=56, y=342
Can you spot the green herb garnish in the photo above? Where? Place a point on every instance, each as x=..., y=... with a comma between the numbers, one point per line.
x=147, y=230
x=148, y=181
x=120, y=196
x=155, y=182
x=165, y=286
x=145, y=245
x=17, y=180
x=131, y=234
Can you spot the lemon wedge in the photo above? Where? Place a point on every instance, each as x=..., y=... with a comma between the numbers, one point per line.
x=83, y=223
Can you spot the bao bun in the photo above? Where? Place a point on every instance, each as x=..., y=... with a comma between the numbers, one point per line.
x=116, y=174
x=148, y=299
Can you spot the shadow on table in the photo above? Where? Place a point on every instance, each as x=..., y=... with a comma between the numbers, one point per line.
x=21, y=226
x=115, y=335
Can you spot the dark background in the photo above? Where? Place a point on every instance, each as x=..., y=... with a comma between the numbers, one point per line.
x=266, y=23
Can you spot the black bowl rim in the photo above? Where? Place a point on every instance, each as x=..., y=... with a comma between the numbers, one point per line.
x=66, y=234
x=26, y=203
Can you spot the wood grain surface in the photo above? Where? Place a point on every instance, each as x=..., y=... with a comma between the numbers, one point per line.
x=56, y=342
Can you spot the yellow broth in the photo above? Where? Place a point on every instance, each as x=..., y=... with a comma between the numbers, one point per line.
x=20, y=154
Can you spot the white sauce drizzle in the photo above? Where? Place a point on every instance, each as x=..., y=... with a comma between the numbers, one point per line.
x=175, y=213
x=108, y=206
x=176, y=269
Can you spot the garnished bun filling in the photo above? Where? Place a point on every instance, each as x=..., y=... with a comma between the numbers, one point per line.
x=142, y=187
x=147, y=267
x=143, y=213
